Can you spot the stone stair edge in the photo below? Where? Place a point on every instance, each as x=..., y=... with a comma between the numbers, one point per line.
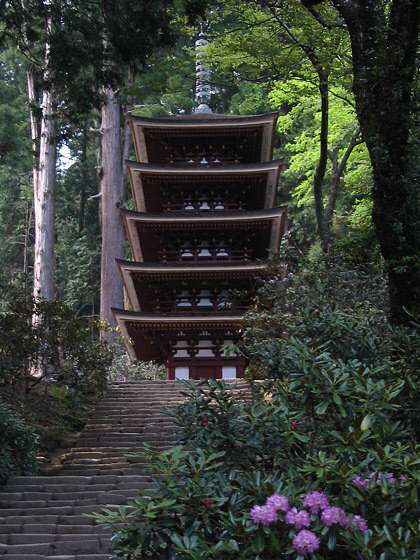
x=50, y=508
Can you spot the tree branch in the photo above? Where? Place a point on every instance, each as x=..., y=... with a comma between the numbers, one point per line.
x=337, y=172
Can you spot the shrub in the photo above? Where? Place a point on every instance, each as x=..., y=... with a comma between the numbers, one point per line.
x=123, y=369
x=236, y=454
x=57, y=346
x=18, y=445
x=333, y=410
x=52, y=368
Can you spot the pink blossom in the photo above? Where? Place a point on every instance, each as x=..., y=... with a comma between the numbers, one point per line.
x=208, y=503
x=263, y=514
x=315, y=501
x=332, y=515
x=294, y=427
x=362, y=484
x=278, y=501
x=297, y=518
x=359, y=523
x=305, y=542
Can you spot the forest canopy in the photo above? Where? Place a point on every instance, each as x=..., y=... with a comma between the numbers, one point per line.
x=343, y=76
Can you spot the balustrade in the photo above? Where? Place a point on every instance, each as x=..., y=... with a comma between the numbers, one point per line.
x=205, y=254
x=194, y=304
x=203, y=206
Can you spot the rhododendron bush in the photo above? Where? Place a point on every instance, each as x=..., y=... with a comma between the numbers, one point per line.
x=246, y=485
x=321, y=462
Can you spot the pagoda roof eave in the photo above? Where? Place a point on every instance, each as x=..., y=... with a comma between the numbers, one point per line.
x=230, y=125
x=141, y=173
x=152, y=326
x=175, y=318
x=274, y=218
x=197, y=120
x=238, y=168
x=245, y=216
x=165, y=273
x=182, y=267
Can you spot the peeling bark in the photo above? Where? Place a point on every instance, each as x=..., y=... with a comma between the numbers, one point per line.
x=44, y=202
x=112, y=196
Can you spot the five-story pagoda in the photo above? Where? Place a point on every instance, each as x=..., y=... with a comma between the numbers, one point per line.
x=204, y=189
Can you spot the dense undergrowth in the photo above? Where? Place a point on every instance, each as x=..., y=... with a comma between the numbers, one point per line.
x=331, y=430
x=52, y=372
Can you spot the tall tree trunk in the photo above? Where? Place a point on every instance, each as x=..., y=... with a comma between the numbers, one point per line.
x=44, y=201
x=33, y=102
x=28, y=222
x=323, y=224
x=112, y=197
x=83, y=161
x=384, y=51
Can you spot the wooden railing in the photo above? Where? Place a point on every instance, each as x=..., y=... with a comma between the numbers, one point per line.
x=198, y=207
x=197, y=305
x=204, y=255
x=204, y=159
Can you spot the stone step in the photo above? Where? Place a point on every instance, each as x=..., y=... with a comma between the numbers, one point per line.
x=52, y=485
x=96, y=453
x=43, y=517
x=57, y=548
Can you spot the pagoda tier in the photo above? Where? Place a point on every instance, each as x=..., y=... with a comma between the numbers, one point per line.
x=199, y=140
x=190, y=345
x=204, y=224
x=191, y=287
x=209, y=189
x=240, y=236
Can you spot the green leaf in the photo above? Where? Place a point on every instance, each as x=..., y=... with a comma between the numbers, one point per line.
x=365, y=424
x=414, y=495
x=258, y=543
x=322, y=408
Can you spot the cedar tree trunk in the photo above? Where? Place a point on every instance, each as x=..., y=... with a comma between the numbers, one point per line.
x=44, y=201
x=112, y=197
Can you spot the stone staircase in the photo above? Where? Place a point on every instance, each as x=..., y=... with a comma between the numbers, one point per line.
x=43, y=517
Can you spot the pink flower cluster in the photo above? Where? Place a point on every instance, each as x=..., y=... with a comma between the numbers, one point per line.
x=297, y=518
x=305, y=541
x=315, y=501
x=363, y=484
x=277, y=501
x=263, y=514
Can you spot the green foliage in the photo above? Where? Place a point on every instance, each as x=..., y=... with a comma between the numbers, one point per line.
x=236, y=454
x=15, y=165
x=18, y=445
x=123, y=369
x=301, y=124
x=42, y=340
x=334, y=399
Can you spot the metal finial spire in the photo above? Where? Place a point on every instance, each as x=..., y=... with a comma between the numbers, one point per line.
x=202, y=80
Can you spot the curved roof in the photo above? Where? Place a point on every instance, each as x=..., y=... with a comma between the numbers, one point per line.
x=144, y=228
x=139, y=278
x=149, y=181
x=153, y=136
x=150, y=332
